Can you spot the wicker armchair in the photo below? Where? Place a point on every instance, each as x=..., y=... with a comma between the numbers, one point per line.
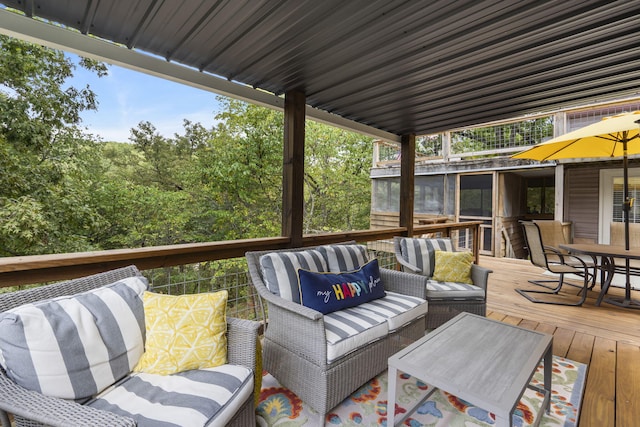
x=445, y=301
x=31, y=408
x=295, y=343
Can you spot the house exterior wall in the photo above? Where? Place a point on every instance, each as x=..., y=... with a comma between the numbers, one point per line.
x=581, y=201
x=577, y=185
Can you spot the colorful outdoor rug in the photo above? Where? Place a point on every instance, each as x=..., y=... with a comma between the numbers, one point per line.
x=368, y=406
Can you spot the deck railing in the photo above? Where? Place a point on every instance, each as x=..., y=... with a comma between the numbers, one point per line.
x=200, y=267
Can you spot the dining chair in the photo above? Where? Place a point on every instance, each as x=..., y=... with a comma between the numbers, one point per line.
x=555, y=233
x=554, y=262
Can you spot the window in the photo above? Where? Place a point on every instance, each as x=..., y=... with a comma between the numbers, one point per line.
x=541, y=195
x=429, y=195
x=476, y=195
x=618, y=198
x=611, y=195
x=386, y=195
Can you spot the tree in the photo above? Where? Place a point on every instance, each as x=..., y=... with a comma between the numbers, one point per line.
x=64, y=191
x=241, y=172
x=49, y=166
x=337, y=183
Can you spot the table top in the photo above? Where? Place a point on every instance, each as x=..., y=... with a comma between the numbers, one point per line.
x=599, y=249
x=486, y=362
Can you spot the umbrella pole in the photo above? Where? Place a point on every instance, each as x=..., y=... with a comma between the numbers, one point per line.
x=626, y=209
x=626, y=206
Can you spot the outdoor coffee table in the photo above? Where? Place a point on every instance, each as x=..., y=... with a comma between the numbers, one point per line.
x=483, y=361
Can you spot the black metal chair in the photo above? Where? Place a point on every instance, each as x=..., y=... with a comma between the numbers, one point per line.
x=555, y=262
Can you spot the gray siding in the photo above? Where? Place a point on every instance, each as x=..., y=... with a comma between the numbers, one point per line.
x=581, y=201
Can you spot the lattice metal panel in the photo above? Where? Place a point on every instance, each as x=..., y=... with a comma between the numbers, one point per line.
x=212, y=276
x=579, y=119
x=503, y=136
x=429, y=146
x=388, y=151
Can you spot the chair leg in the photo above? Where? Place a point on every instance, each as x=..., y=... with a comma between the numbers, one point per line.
x=525, y=293
x=591, y=277
x=541, y=283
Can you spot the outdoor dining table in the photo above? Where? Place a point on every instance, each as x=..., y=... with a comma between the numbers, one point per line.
x=604, y=258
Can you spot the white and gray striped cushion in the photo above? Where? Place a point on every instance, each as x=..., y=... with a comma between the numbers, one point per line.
x=280, y=271
x=341, y=258
x=202, y=397
x=452, y=290
x=73, y=347
x=350, y=329
x=398, y=309
x=421, y=252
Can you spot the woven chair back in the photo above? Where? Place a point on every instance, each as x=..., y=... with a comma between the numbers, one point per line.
x=534, y=244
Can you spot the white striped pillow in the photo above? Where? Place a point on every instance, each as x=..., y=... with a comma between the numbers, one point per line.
x=280, y=271
x=75, y=346
x=342, y=258
x=420, y=253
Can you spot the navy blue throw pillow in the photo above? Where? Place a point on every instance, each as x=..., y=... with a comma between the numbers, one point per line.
x=328, y=292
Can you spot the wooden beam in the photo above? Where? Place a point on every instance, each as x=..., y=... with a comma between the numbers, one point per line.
x=407, y=181
x=293, y=167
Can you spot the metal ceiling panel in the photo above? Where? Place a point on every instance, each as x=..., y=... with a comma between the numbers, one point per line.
x=402, y=66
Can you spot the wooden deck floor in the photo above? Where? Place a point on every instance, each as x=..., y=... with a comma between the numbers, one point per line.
x=607, y=338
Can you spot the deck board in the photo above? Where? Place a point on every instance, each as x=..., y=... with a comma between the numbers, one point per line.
x=607, y=338
x=598, y=406
x=628, y=385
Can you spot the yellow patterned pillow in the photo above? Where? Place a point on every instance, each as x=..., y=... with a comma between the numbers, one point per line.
x=184, y=332
x=453, y=267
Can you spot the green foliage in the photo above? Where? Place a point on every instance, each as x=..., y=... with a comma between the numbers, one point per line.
x=63, y=191
x=240, y=171
x=337, y=184
x=49, y=168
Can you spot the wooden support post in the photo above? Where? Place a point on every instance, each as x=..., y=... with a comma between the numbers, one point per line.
x=407, y=181
x=293, y=167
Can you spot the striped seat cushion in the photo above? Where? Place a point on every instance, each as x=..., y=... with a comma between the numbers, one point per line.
x=398, y=309
x=210, y=396
x=452, y=290
x=350, y=329
x=280, y=271
x=342, y=258
x=73, y=347
x=420, y=253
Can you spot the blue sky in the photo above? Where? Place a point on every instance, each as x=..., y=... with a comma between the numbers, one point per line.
x=128, y=97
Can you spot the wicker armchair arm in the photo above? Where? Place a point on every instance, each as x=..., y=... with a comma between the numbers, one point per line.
x=298, y=333
x=404, y=283
x=242, y=336
x=53, y=411
x=406, y=266
x=274, y=301
x=291, y=325
x=480, y=276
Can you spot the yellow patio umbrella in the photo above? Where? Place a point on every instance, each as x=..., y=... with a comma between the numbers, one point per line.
x=613, y=136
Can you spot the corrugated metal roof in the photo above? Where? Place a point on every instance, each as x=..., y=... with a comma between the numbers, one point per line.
x=399, y=66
